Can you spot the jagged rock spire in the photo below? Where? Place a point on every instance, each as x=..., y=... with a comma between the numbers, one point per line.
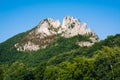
x=48, y=29
x=72, y=26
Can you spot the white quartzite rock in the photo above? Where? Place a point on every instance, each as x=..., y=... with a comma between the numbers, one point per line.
x=48, y=27
x=71, y=27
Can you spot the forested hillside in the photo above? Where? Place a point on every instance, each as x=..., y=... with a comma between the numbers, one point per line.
x=63, y=59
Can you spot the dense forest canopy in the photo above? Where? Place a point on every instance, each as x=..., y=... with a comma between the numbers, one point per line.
x=62, y=60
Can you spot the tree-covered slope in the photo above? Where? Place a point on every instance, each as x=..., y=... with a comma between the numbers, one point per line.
x=9, y=54
x=63, y=59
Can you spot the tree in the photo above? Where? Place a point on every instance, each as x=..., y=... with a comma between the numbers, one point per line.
x=39, y=71
x=105, y=63
x=3, y=69
x=16, y=71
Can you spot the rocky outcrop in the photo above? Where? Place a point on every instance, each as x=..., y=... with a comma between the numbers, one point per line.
x=85, y=43
x=48, y=29
x=71, y=27
x=27, y=46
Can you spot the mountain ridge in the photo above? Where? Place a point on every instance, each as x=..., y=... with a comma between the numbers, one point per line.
x=62, y=59
x=48, y=29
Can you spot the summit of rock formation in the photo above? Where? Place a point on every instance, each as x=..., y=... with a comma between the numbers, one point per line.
x=48, y=29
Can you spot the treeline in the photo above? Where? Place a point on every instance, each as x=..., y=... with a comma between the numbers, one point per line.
x=64, y=60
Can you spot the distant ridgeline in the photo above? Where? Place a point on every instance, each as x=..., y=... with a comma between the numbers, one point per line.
x=54, y=51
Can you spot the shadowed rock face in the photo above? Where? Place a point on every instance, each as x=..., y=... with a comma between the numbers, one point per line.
x=48, y=29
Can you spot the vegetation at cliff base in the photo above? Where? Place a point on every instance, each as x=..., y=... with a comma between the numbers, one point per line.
x=62, y=60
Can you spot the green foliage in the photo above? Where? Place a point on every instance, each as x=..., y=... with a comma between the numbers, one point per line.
x=16, y=70
x=39, y=71
x=7, y=49
x=50, y=73
x=106, y=63
x=3, y=69
x=62, y=60
x=112, y=41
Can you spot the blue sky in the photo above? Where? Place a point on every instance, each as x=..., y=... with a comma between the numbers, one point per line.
x=16, y=16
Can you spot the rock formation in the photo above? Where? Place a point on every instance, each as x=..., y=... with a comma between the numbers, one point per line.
x=48, y=29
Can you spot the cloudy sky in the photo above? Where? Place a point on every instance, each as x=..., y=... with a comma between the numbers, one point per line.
x=16, y=16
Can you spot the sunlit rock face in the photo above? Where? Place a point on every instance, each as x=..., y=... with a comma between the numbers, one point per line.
x=48, y=29
x=27, y=46
x=40, y=36
x=71, y=27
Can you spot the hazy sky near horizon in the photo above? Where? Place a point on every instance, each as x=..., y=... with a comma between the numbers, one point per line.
x=16, y=16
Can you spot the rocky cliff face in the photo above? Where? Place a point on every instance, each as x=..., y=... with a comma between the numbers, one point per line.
x=48, y=29
x=71, y=27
